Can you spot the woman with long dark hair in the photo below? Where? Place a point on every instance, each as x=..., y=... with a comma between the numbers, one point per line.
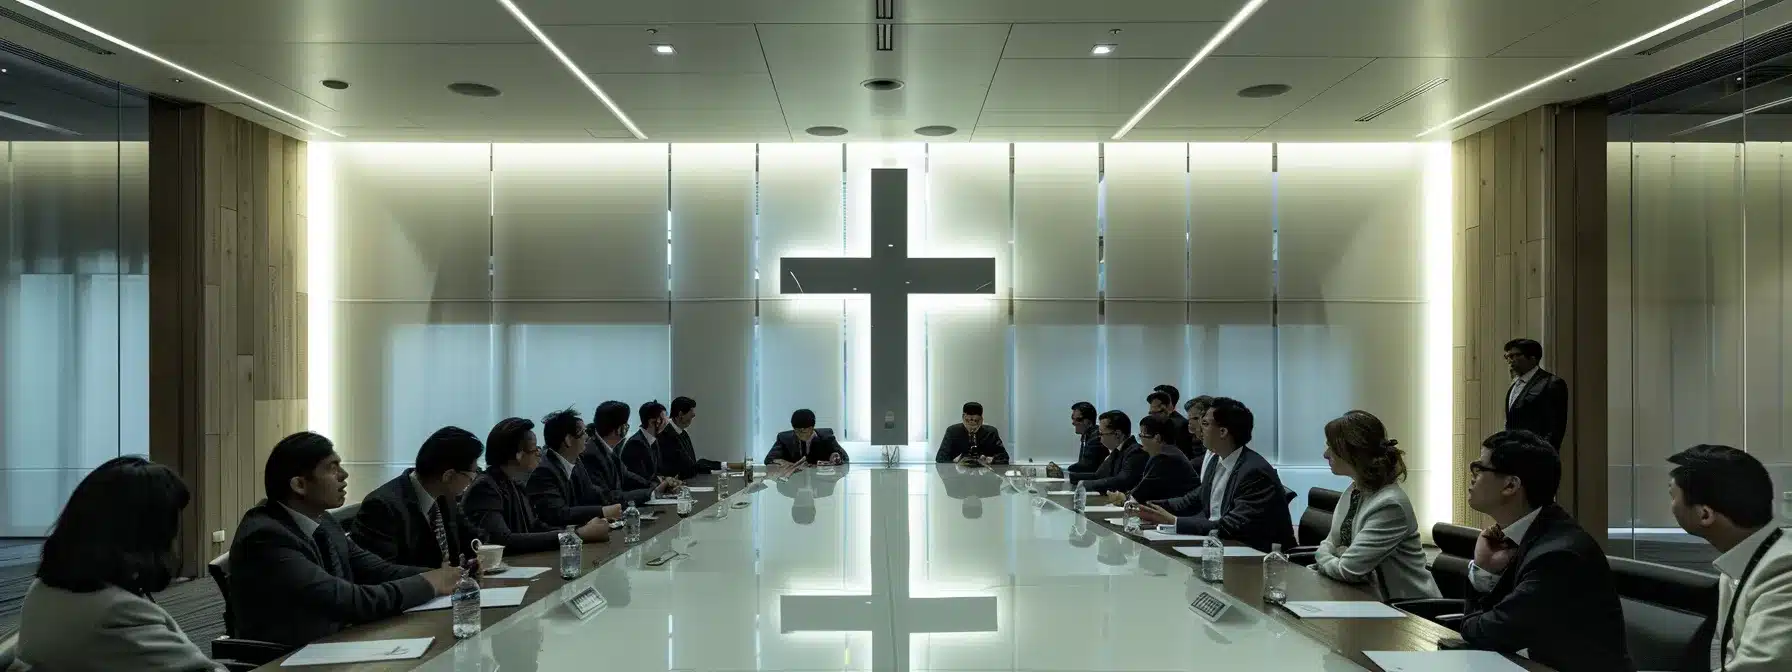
x=112, y=547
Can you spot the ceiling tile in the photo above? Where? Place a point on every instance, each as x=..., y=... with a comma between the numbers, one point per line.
x=276, y=21
x=1608, y=23
x=1135, y=40
x=700, y=48
x=561, y=12
x=1209, y=95
x=817, y=71
x=1375, y=28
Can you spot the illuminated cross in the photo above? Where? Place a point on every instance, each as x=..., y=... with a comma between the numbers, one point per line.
x=888, y=276
x=891, y=615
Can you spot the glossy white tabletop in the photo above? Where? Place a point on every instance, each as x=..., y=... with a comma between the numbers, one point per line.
x=924, y=568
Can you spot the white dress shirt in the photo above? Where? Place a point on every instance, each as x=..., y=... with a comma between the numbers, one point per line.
x=425, y=501
x=307, y=524
x=566, y=463
x=1484, y=580
x=1218, y=496
x=651, y=439
x=1518, y=385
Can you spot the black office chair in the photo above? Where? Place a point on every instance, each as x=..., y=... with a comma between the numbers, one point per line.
x=1314, y=525
x=1456, y=546
x=1669, y=614
x=1323, y=499
x=234, y=653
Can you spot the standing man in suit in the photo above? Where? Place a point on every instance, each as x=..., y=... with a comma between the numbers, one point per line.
x=1168, y=474
x=415, y=519
x=1177, y=434
x=677, y=452
x=1089, y=449
x=295, y=577
x=1537, y=400
x=1543, y=584
x=805, y=443
x=561, y=490
x=641, y=453
x=496, y=503
x=1241, y=496
x=1725, y=496
x=972, y=442
x=1125, y=463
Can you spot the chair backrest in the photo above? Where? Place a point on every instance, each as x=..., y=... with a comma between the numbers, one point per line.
x=1455, y=545
x=1323, y=499
x=8, y=651
x=1669, y=614
x=219, y=568
x=1314, y=526
x=1457, y=540
x=345, y=514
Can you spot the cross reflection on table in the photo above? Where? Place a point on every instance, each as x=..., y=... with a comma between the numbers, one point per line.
x=889, y=612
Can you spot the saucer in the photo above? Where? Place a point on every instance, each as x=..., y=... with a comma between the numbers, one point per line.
x=500, y=569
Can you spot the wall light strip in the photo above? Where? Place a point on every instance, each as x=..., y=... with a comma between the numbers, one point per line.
x=1212, y=44
x=572, y=68
x=1564, y=72
x=140, y=51
x=28, y=121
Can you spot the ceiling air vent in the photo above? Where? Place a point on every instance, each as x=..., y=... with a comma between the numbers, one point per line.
x=1402, y=99
x=52, y=31
x=1714, y=24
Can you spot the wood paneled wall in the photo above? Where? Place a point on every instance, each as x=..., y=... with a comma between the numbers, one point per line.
x=1524, y=268
x=228, y=309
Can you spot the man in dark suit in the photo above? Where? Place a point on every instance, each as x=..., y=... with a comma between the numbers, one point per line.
x=678, y=456
x=561, y=490
x=295, y=577
x=972, y=442
x=1177, y=434
x=496, y=503
x=1168, y=474
x=1241, y=496
x=1537, y=401
x=1125, y=463
x=1196, y=409
x=641, y=452
x=805, y=443
x=1089, y=449
x=1543, y=584
x=415, y=518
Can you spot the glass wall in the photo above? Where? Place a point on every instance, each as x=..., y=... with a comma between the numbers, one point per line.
x=74, y=293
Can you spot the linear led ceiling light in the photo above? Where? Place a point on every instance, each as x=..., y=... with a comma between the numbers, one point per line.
x=1212, y=44
x=572, y=68
x=1564, y=72
x=28, y=121
x=140, y=51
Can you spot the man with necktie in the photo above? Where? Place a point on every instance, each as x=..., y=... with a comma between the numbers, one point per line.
x=415, y=518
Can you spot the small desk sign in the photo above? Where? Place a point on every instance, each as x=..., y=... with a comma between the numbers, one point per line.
x=586, y=603
x=1209, y=605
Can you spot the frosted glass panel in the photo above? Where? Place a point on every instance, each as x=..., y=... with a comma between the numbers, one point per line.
x=406, y=369
x=413, y=220
x=1337, y=356
x=712, y=221
x=1147, y=220
x=1350, y=219
x=585, y=221
x=1056, y=355
x=712, y=362
x=580, y=354
x=967, y=360
x=1232, y=354
x=969, y=201
x=1147, y=346
x=39, y=352
x=1231, y=223
x=801, y=364
x=1055, y=211
x=800, y=211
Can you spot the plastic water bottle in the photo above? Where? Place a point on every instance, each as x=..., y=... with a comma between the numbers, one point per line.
x=1132, y=516
x=1079, y=502
x=1275, y=575
x=631, y=525
x=572, y=553
x=466, y=606
x=746, y=468
x=1213, y=559
x=722, y=483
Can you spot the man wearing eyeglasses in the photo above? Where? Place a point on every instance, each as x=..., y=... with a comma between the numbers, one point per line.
x=414, y=519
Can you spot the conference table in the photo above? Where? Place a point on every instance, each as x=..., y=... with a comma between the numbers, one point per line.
x=935, y=567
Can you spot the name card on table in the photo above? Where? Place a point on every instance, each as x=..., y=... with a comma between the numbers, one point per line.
x=586, y=603
x=1210, y=605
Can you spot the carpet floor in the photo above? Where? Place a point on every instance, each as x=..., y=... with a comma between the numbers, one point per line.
x=194, y=603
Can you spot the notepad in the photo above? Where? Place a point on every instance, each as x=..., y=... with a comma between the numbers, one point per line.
x=702, y=488
x=1104, y=508
x=517, y=573
x=337, y=653
x=1154, y=535
x=1442, y=661
x=488, y=598
x=1231, y=551
x=662, y=501
x=1343, y=609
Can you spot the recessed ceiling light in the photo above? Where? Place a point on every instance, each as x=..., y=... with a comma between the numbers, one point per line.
x=1213, y=43
x=935, y=131
x=1264, y=91
x=572, y=67
x=1103, y=49
x=825, y=131
x=1564, y=72
x=140, y=51
x=336, y=84
x=177, y=80
x=474, y=89
x=882, y=84
x=664, y=49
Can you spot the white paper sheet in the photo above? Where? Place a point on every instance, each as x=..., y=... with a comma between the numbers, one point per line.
x=1231, y=551
x=1062, y=493
x=517, y=573
x=338, y=653
x=702, y=488
x=1051, y=480
x=1343, y=609
x=1104, y=508
x=662, y=501
x=488, y=598
x=1442, y=661
x=1154, y=535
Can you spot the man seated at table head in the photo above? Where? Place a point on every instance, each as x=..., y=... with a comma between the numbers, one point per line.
x=1165, y=407
x=1089, y=449
x=641, y=452
x=415, y=518
x=803, y=443
x=602, y=457
x=560, y=489
x=1543, y=585
x=1241, y=496
x=1125, y=463
x=497, y=504
x=972, y=442
x=295, y=576
x=1725, y=496
x=678, y=455
x=1168, y=474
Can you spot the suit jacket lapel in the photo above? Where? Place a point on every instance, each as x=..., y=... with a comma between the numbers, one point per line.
x=1530, y=387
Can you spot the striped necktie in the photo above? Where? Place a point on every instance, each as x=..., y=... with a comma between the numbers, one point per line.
x=435, y=518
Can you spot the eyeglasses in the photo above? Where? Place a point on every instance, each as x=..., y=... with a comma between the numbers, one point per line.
x=1477, y=468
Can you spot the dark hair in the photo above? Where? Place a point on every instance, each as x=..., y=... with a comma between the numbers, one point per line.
x=505, y=441
x=803, y=418
x=682, y=405
x=1159, y=398
x=1085, y=409
x=609, y=417
x=1359, y=438
x=118, y=529
x=1526, y=347
x=448, y=448
x=1232, y=415
x=651, y=410
x=1521, y=453
x=295, y=455
x=973, y=408
x=1728, y=480
x=1117, y=421
x=1175, y=394
x=1198, y=406
x=559, y=425
x=1152, y=425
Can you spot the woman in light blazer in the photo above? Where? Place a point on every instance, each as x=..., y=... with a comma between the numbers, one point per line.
x=1375, y=536
x=113, y=546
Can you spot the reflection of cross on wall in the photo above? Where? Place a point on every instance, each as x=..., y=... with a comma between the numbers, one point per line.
x=888, y=612
x=888, y=276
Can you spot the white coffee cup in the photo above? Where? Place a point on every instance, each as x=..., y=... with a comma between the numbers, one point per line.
x=491, y=556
